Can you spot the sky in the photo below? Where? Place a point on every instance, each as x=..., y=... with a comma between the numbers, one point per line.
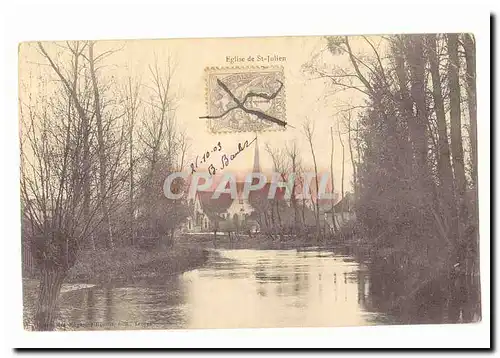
x=306, y=98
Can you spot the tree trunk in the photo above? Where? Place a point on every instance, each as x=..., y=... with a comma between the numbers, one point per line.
x=358, y=152
x=332, y=181
x=417, y=73
x=101, y=146
x=458, y=256
x=470, y=60
x=316, y=211
x=456, y=138
x=278, y=213
x=351, y=154
x=132, y=93
x=304, y=211
x=49, y=288
x=131, y=189
x=293, y=196
x=446, y=174
x=342, y=177
x=444, y=166
x=273, y=221
x=406, y=103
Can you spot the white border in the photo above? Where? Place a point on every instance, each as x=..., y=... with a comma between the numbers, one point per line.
x=96, y=20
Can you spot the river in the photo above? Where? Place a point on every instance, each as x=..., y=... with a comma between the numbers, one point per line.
x=233, y=289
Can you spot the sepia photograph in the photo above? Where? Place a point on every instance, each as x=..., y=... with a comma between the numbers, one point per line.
x=271, y=182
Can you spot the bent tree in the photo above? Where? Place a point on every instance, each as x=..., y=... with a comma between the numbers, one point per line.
x=58, y=192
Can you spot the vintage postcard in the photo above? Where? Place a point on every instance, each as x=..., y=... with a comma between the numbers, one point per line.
x=249, y=182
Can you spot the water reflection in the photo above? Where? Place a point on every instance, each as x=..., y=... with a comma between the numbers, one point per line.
x=266, y=288
x=133, y=307
x=236, y=288
x=442, y=300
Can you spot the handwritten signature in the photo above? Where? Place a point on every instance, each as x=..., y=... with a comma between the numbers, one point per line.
x=241, y=147
x=225, y=160
x=198, y=161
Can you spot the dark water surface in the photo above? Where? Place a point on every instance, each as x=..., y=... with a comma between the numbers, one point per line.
x=234, y=289
x=251, y=289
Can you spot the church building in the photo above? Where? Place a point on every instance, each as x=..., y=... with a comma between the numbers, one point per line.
x=224, y=213
x=257, y=212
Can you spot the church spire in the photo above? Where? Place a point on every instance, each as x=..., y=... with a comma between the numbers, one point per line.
x=256, y=159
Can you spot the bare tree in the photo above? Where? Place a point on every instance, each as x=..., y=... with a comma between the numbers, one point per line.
x=470, y=76
x=132, y=103
x=456, y=125
x=342, y=172
x=308, y=129
x=163, y=148
x=348, y=119
x=334, y=223
x=100, y=138
x=56, y=169
x=282, y=166
x=292, y=152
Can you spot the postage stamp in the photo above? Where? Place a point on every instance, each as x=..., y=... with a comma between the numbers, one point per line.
x=245, y=99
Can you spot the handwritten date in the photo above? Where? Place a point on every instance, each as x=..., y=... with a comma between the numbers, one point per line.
x=204, y=158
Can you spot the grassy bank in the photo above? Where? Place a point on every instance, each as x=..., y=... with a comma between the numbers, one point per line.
x=262, y=242
x=131, y=264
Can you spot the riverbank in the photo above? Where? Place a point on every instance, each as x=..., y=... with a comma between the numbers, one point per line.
x=263, y=242
x=130, y=264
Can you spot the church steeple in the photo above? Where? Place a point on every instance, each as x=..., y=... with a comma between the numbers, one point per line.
x=256, y=159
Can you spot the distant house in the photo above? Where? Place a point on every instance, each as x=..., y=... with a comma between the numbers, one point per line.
x=256, y=212
x=343, y=211
x=223, y=213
